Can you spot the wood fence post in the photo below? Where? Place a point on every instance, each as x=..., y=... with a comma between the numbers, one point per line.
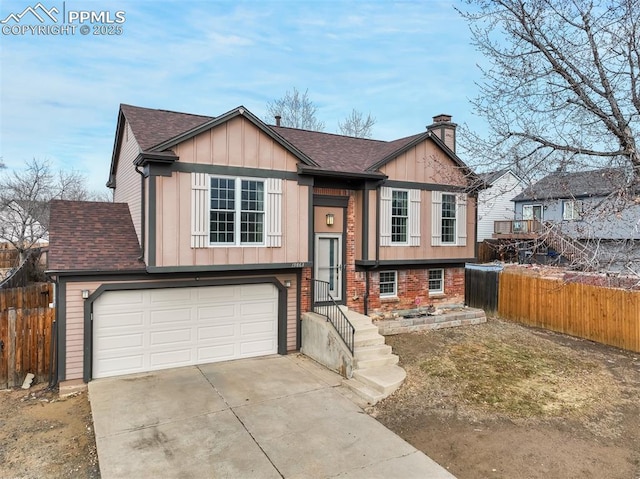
x=11, y=349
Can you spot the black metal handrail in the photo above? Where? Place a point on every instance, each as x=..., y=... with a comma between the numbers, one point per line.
x=325, y=305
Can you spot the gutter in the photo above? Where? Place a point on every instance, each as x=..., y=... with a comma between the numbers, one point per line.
x=142, y=215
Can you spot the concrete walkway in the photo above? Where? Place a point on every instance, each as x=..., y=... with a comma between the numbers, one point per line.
x=272, y=417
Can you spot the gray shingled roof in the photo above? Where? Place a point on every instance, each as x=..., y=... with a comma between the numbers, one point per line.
x=152, y=127
x=579, y=184
x=331, y=152
x=92, y=236
x=341, y=153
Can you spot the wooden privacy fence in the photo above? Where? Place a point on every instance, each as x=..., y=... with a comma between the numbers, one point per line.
x=26, y=326
x=605, y=315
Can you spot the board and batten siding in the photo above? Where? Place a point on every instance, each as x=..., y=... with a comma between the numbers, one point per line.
x=424, y=163
x=426, y=250
x=494, y=204
x=75, y=321
x=174, y=246
x=127, y=188
x=181, y=233
x=239, y=143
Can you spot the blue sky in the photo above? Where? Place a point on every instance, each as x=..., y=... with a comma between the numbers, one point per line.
x=403, y=62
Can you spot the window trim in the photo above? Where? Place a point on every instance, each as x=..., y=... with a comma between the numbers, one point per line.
x=576, y=210
x=454, y=233
x=408, y=218
x=394, y=294
x=238, y=212
x=433, y=292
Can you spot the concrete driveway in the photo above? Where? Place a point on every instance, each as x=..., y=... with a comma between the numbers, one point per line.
x=272, y=417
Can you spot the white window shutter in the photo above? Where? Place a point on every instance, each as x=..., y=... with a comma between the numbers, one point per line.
x=274, y=212
x=385, y=216
x=199, y=210
x=461, y=219
x=436, y=218
x=414, y=217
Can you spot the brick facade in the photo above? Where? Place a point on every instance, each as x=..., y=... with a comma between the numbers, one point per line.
x=412, y=283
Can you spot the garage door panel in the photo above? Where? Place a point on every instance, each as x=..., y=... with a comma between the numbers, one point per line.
x=133, y=298
x=254, y=348
x=217, y=313
x=121, y=320
x=215, y=293
x=257, y=327
x=119, y=342
x=256, y=290
x=173, y=336
x=173, y=358
x=257, y=308
x=221, y=352
x=144, y=330
x=213, y=332
x=122, y=365
x=164, y=316
x=169, y=295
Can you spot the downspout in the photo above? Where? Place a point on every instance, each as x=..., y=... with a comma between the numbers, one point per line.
x=53, y=350
x=142, y=215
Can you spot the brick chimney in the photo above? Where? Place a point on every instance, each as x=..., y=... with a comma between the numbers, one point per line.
x=444, y=129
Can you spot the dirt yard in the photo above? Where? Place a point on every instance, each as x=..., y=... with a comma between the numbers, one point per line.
x=42, y=436
x=496, y=400
x=499, y=400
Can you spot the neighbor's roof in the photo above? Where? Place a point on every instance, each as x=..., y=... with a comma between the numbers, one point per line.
x=580, y=184
x=92, y=236
x=331, y=152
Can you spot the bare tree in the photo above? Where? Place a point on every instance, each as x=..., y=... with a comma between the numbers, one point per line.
x=563, y=83
x=296, y=111
x=24, y=201
x=357, y=125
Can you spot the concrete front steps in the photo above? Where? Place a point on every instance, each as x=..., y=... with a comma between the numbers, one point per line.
x=375, y=373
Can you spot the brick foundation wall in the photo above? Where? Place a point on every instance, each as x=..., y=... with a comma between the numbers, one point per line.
x=413, y=284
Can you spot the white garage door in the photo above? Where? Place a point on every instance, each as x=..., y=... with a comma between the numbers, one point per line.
x=150, y=329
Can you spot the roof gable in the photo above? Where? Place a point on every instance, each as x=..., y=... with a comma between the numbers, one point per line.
x=92, y=236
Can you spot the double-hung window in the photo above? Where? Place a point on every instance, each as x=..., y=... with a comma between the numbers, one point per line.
x=388, y=284
x=399, y=216
x=449, y=219
x=448, y=233
x=237, y=211
x=436, y=281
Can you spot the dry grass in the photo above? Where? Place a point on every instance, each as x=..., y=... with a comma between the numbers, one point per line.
x=519, y=380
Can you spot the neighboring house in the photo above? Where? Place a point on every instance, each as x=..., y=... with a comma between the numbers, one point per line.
x=494, y=202
x=588, y=207
x=584, y=205
x=228, y=218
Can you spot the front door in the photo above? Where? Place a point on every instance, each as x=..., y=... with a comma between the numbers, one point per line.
x=328, y=264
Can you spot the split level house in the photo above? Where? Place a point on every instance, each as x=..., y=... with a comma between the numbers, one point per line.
x=224, y=230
